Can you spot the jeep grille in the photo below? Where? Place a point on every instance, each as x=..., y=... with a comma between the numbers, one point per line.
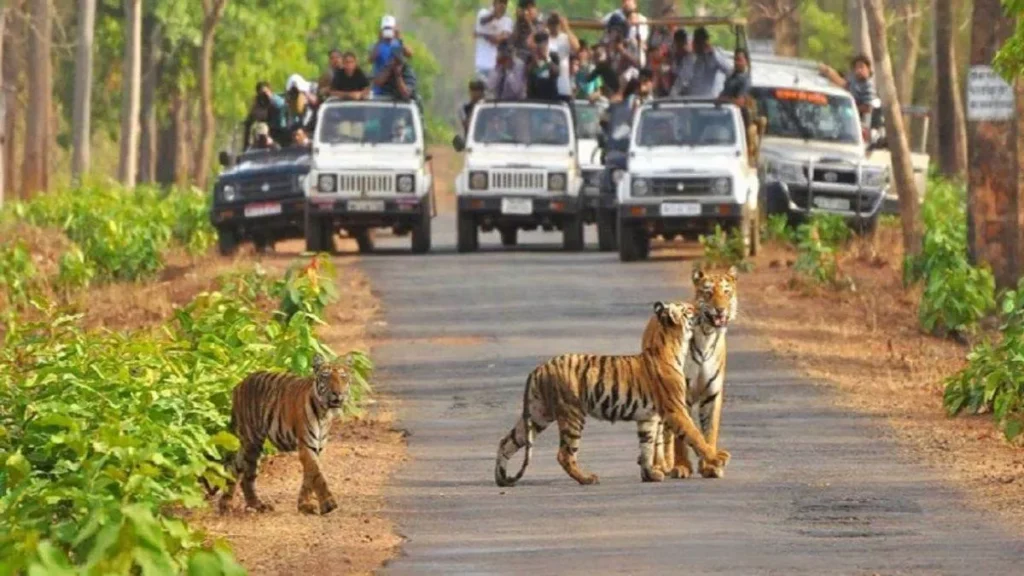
x=518, y=181
x=835, y=176
x=349, y=183
x=268, y=187
x=689, y=187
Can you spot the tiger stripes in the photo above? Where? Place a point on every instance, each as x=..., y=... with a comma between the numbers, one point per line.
x=295, y=414
x=704, y=367
x=645, y=388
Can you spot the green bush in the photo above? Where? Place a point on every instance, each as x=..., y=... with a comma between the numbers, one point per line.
x=778, y=230
x=103, y=435
x=818, y=242
x=724, y=250
x=994, y=376
x=956, y=295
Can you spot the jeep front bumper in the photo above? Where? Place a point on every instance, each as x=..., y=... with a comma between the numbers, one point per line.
x=367, y=212
x=681, y=216
x=281, y=217
x=538, y=210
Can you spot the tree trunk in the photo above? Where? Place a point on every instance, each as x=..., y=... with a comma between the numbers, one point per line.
x=179, y=117
x=910, y=11
x=950, y=124
x=212, y=12
x=13, y=52
x=860, y=39
x=903, y=171
x=3, y=106
x=82, y=110
x=130, y=95
x=37, y=114
x=150, y=84
x=787, y=29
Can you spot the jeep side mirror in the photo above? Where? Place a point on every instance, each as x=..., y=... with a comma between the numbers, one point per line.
x=459, y=143
x=225, y=159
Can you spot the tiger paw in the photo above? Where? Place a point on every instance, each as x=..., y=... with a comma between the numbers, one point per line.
x=224, y=505
x=680, y=472
x=588, y=479
x=328, y=505
x=307, y=507
x=719, y=461
x=652, y=475
x=259, y=506
x=711, y=471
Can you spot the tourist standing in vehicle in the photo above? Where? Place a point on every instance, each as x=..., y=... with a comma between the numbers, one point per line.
x=508, y=79
x=476, y=94
x=327, y=78
x=302, y=103
x=270, y=109
x=527, y=24
x=389, y=44
x=737, y=91
x=708, y=62
x=584, y=87
x=859, y=82
x=262, y=139
x=493, y=26
x=638, y=32
x=397, y=80
x=564, y=43
x=349, y=81
x=542, y=72
x=682, y=62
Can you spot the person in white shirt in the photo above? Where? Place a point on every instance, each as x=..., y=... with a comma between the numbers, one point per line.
x=564, y=43
x=492, y=27
x=639, y=31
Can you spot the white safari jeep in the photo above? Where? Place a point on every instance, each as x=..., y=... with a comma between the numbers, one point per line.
x=521, y=173
x=370, y=170
x=688, y=170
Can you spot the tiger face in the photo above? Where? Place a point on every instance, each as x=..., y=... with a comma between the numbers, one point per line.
x=676, y=315
x=332, y=382
x=716, y=295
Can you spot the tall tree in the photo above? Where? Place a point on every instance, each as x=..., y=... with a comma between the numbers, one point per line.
x=150, y=93
x=127, y=168
x=909, y=12
x=3, y=104
x=903, y=171
x=82, y=108
x=778, y=20
x=860, y=39
x=213, y=10
x=37, y=116
x=13, y=52
x=949, y=114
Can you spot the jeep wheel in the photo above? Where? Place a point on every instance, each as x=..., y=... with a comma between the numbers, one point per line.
x=606, y=240
x=227, y=242
x=364, y=239
x=633, y=243
x=421, y=231
x=319, y=235
x=468, y=239
x=509, y=236
x=572, y=234
x=262, y=244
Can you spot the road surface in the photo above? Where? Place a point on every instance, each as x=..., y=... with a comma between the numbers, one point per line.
x=810, y=489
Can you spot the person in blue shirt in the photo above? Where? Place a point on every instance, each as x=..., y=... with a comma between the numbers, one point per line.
x=389, y=43
x=397, y=80
x=269, y=108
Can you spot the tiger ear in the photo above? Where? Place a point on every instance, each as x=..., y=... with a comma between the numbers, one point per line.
x=318, y=361
x=659, y=307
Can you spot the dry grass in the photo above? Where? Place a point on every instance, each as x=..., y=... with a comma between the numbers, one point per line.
x=868, y=345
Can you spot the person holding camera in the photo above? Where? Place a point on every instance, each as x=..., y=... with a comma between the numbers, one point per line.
x=389, y=44
x=270, y=109
x=543, y=70
x=397, y=80
x=508, y=79
x=262, y=139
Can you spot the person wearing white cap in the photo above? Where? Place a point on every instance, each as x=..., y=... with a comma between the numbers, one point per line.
x=302, y=103
x=389, y=42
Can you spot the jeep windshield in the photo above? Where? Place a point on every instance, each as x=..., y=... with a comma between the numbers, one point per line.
x=686, y=126
x=588, y=120
x=808, y=115
x=521, y=125
x=366, y=125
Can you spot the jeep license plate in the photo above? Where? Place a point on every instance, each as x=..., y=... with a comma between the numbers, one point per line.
x=518, y=206
x=365, y=205
x=262, y=209
x=832, y=203
x=679, y=209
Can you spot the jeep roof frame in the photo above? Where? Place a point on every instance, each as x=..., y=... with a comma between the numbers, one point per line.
x=738, y=25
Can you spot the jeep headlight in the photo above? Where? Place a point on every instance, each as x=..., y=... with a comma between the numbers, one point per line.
x=722, y=186
x=406, y=183
x=556, y=182
x=229, y=193
x=640, y=187
x=874, y=177
x=784, y=172
x=478, y=180
x=327, y=183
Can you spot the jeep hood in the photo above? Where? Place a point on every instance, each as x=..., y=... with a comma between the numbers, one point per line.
x=795, y=150
x=539, y=157
x=381, y=157
x=675, y=160
x=587, y=148
x=267, y=166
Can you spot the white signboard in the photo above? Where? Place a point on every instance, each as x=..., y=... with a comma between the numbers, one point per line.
x=989, y=97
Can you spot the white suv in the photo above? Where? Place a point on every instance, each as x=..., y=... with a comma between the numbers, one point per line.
x=370, y=170
x=521, y=173
x=688, y=171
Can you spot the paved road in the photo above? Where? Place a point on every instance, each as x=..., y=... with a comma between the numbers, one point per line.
x=810, y=489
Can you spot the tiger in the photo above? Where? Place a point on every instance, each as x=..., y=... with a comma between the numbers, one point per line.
x=645, y=388
x=295, y=413
x=704, y=367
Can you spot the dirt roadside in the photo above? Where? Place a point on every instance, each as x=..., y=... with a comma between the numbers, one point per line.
x=867, y=345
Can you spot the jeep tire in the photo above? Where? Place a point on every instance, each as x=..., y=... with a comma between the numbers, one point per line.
x=364, y=239
x=572, y=234
x=606, y=233
x=421, y=230
x=227, y=241
x=634, y=244
x=319, y=235
x=509, y=236
x=467, y=235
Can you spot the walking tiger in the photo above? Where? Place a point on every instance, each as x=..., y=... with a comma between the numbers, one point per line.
x=645, y=388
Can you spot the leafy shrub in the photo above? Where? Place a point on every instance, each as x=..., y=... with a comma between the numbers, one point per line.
x=17, y=272
x=103, y=435
x=994, y=376
x=832, y=229
x=818, y=243
x=778, y=230
x=724, y=250
x=956, y=295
